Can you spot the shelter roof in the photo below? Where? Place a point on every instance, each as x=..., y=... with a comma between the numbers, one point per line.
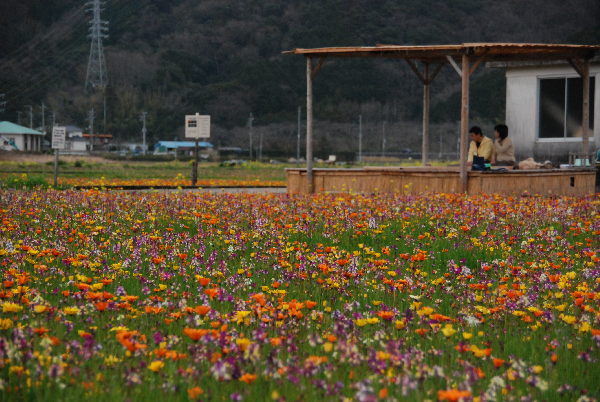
x=6, y=127
x=499, y=52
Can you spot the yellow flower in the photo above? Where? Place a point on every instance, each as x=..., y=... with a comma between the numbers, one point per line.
x=361, y=322
x=327, y=346
x=9, y=307
x=243, y=343
x=111, y=360
x=373, y=320
x=400, y=324
x=71, y=310
x=467, y=335
x=376, y=302
x=383, y=355
x=561, y=307
x=584, y=327
x=569, y=319
x=156, y=366
x=477, y=352
x=448, y=330
x=537, y=369
x=5, y=323
x=425, y=311
x=40, y=308
x=240, y=315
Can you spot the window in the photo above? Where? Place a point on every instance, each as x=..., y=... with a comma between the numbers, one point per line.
x=561, y=107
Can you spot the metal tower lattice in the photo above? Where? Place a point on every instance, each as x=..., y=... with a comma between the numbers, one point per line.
x=96, y=72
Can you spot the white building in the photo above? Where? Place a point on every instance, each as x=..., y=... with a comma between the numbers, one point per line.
x=15, y=137
x=544, y=107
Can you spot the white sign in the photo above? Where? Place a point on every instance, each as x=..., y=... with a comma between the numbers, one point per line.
x=59, y=134
x=197, y=126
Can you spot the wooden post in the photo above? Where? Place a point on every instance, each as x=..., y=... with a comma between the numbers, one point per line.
x=309, y=126
x=195, y=164
x=425, y=156
x=585, y=120
x=55, y=168
x=464, y=124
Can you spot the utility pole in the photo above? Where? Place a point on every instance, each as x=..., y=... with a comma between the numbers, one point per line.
x=96, y=72
x=260, y=148
x=105, y=114
x=383, y=142
x=2, y=104
x=298, y=153
x=43, y=120
x=91, y=119
x=143, y=118
x=53, y=118
x=250, y=120
x=360, y=138
x=30, y=115
x=19, y=117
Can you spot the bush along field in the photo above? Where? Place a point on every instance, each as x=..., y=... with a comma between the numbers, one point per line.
x=197, y=296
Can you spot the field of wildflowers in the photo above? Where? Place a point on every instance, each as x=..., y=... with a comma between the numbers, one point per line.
x=198, y=296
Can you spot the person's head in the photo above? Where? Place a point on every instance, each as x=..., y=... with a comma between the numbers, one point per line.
x=501, y=130
x=476, y=134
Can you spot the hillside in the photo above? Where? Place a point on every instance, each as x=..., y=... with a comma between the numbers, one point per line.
x=223, y=58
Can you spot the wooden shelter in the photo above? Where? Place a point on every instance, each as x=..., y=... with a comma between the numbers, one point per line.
x=464, y=58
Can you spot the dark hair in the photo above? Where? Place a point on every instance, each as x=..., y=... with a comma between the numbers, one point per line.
x=502, y=130
x=476, y=130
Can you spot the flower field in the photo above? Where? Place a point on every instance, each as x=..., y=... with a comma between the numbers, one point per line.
x=199, y=296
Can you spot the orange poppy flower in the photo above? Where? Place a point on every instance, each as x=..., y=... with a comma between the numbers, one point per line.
x=452, y=395
x=202, y=310
x=248, y=378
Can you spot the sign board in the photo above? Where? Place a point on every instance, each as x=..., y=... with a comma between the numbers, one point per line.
x=59, y=134
x=197, y=126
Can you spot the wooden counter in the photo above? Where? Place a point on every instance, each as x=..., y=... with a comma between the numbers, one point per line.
x=418, y=180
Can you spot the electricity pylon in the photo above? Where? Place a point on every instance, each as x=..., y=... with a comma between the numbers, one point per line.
x=96, y=72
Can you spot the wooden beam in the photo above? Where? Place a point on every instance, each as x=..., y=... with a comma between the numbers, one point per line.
x=437, y=70
x=464, y=125
x=456, y=67
x=425, y=147
x=416, y=71
x=317, y=67
x=575, y=67
x=478, y=62
x=309, y=124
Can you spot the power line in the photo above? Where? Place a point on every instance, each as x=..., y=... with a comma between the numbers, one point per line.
x=64, y=26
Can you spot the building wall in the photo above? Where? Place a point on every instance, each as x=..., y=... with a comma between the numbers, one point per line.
x=522, y=114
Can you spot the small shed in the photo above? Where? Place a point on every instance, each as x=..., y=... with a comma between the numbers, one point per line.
x=15, y=137
x=544, y=108
x=177, y=147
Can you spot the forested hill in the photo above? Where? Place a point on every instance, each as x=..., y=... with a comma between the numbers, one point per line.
x=223, y=57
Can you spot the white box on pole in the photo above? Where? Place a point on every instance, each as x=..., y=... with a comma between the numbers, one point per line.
x=59, y=135
x=197, y=126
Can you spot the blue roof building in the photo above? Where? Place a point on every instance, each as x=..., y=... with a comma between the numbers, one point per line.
x=164, y=147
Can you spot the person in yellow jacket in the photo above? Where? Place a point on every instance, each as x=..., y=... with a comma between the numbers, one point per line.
x=480, y=146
